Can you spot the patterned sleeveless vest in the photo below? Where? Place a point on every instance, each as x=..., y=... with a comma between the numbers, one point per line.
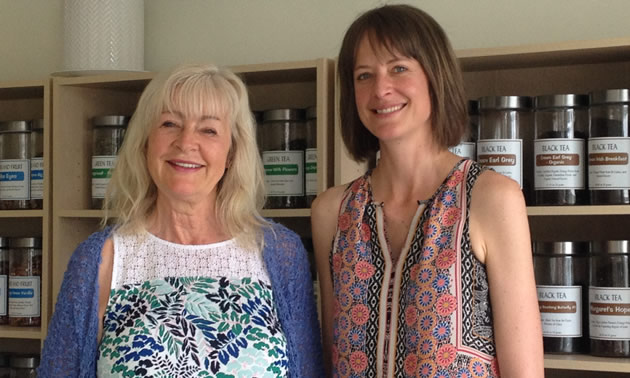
x=436, y=320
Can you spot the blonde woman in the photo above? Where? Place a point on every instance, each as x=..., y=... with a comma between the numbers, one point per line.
x=190, y=280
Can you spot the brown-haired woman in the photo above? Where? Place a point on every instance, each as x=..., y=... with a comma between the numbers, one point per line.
x=425, y=263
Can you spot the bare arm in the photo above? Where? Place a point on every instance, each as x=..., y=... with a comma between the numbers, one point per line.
x=500, y=237
x=324, y=213
x=104, y=281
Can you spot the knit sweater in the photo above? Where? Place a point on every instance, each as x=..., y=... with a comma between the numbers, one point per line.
x=71, y=345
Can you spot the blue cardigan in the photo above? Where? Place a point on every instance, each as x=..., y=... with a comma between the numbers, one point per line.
x=71, y=346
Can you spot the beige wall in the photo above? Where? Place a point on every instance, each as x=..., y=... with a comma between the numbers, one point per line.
x=230, y=32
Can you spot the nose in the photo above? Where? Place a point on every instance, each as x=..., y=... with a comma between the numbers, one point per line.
x=187, y=138
x=382, y=85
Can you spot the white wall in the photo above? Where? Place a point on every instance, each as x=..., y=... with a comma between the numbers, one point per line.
x=230, y=32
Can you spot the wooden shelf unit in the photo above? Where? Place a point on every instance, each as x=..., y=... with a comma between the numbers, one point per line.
x=29, y=100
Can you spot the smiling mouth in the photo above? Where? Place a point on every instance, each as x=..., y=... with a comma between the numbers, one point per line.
x=185, y=165
x=389, y=110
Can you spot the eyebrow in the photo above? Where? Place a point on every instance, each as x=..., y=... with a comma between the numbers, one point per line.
x=203, y=117
x=391, y=61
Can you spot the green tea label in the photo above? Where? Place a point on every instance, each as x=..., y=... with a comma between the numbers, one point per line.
x=102, y=168
x=284, y=173
x=311, y=171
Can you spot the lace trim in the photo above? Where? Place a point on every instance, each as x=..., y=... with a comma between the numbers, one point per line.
x=139, y=258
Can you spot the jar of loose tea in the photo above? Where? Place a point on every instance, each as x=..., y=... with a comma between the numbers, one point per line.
x=25, y=273
x=561, y=124
x=609, y=147
x=284, y=142
x=15, y=165
x=310, y=156
x=37, y=164
x=107, y=137
x=258, y=121
x=24, y=366
x=4, y=279
x=561, y=271
x=506, y=135
x=609, y=298
x=467, y=148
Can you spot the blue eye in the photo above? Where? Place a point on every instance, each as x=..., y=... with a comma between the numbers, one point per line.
x=400, y=69
x=169, y=124
x=362, y=76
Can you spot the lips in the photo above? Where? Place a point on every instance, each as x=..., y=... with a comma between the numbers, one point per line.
x=390, y=109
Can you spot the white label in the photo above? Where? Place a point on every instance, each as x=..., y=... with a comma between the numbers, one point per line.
x=15, y=177
x=560, y=310
x=102, y=168
x=559, y=164
x=37, y=178
x=284, y=173
x=3, y=295
x=24, y=296
x=608, y=163
x=505, y=156
x=310, y=169
x=609, y=313
x=465, y=150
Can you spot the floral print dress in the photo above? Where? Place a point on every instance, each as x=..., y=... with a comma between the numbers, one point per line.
x=190, y=311
x=427, y=314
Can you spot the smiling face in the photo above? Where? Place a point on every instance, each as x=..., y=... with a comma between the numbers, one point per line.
x=187, y=155
x=391, y=93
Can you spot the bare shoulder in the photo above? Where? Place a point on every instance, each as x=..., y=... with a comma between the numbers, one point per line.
x=495, y=194
x=326, y=206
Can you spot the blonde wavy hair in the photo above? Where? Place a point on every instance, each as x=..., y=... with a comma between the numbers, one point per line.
x=191, y=89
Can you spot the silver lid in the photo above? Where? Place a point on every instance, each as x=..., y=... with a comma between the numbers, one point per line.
x=610, y=96
x=29, y=242
x=561, y=101
x=610, y=246
x=37, y=124
x=283, y=115
x=311, y=112
x=560, y=248
x=24, y=362
x=505, y=102
x=110, y=121
x=15, y=127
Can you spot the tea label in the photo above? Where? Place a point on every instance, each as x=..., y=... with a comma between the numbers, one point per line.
x=3, y=295
x=15, y=177
x=284, y=173
x=37, y=178
x=608, y=167
x=465, y=150
x=609, y=313
x=559, y=164
x=24, y=296
x=102, y=168
x=310, y=161
x=560, y=310
x=505, y=156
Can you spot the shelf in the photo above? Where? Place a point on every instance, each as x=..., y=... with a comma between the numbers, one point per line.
x=79, y=213
x=286, y=213
x=578, y=210
x=588, y=363
x=21, y=213
x=20, y=332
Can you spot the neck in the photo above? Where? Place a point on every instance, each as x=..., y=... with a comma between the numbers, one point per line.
x=186, y=223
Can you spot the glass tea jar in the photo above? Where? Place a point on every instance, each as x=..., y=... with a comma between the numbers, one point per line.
x=284, y=142
x=25, y=274
x=258, y=121
x=561, y=271
x=467, y=148
x=37, y=164
x=505, y=141
x=561, y=124
x=4, y=279
x=310, y=156
x=15, y=165
x=24, y=366
x=609, y=298
x=609, y=147
x=107, y=137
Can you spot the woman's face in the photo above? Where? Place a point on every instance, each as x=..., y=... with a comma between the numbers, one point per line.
x=391, y=92
x=187, y=157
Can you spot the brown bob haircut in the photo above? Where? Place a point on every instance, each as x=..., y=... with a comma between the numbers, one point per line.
x=404, y=31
